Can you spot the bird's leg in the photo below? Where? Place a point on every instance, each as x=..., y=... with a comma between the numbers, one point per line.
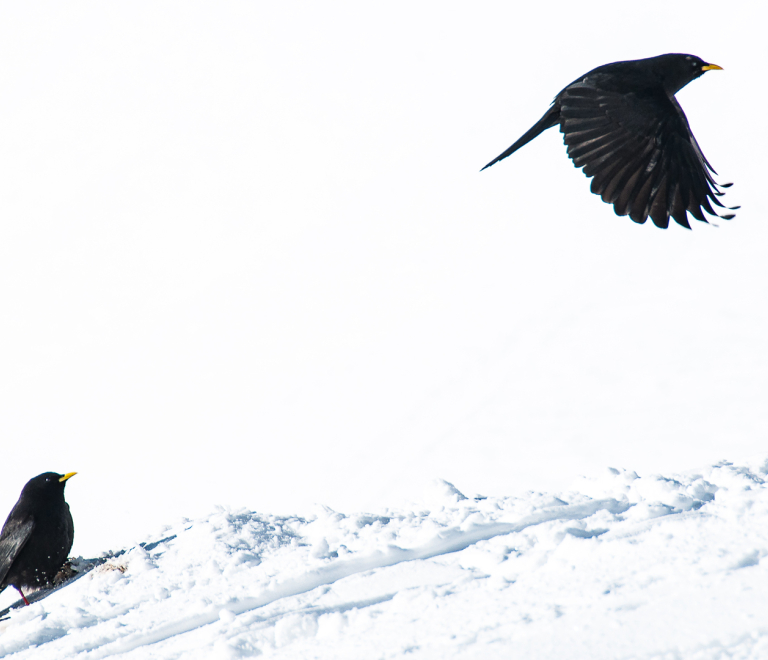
x=23, y=597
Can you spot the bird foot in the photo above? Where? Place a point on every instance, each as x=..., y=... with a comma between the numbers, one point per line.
x=21, y=593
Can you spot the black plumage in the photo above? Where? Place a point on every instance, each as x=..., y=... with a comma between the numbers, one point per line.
x=37, y=535
x=622, y=124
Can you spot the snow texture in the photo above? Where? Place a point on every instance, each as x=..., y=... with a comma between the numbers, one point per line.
x=622, y=567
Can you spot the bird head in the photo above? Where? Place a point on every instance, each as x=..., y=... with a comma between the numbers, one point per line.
x=46, y=485
x=678, y=69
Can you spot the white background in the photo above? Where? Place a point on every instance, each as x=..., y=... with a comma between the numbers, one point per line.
x=247, y=258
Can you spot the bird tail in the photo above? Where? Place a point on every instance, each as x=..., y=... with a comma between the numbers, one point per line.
x=551, y=118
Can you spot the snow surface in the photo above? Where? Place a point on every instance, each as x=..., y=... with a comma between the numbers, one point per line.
x=623, y=566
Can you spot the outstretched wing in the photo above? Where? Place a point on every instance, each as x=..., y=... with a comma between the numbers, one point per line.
x=640, y=153
x=15, y=534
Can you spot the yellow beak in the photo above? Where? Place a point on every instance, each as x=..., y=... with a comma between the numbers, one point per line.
x=67, y=476
x=711, y=67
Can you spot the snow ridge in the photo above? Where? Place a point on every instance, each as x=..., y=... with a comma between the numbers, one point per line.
x=451, y=540
x=465, y=577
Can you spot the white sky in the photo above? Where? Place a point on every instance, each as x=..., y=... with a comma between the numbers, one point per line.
x=247, y=257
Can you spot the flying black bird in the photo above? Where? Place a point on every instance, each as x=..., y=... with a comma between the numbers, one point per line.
x=622, y=124
x=37, y=535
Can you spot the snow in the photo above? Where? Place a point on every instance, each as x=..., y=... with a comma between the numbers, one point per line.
x=619, y=566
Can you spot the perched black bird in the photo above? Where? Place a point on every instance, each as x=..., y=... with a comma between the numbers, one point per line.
x=622, y=124
x=37, y=535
